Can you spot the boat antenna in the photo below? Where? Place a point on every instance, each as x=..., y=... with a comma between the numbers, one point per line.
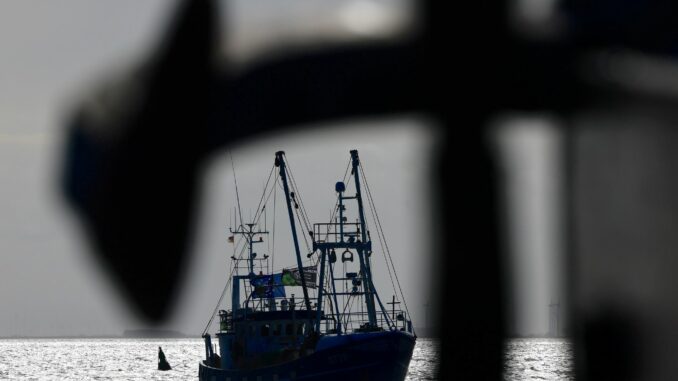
x=280, y=162
x=235, y=180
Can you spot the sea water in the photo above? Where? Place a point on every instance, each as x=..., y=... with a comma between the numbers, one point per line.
x=538, y=359
x=137, y=359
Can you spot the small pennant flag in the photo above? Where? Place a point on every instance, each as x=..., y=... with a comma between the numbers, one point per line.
x=230, y=239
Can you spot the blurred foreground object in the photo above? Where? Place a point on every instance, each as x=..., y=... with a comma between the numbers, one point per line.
x=132, y=160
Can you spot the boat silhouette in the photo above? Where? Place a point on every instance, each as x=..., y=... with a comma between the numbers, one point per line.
x=339, y=329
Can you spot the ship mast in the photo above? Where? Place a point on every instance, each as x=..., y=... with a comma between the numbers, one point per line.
x=364, y=260
x=250, y=233
x=280, y=162
x=358, y=240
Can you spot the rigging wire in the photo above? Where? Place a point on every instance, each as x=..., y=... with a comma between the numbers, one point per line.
x=256, y=221
x=235, y=180
x=302, y=217
x=343, y=313
x=207, y=327
x=240, y=240
x=296, y=188
x=298, y=196
x=298, y=211
x=383, y=249
x=259, y=210
x=228, y=283
x=308, y=248
x=275, y=193
x=268, y=242
x=346, y=182
x=327, y=286
x=381, y=243
x=379, y=227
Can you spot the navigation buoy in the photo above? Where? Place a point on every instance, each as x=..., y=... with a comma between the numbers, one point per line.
x=162, y=361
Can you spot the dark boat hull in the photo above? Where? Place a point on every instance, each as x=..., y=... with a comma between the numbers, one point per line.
x=355, y=357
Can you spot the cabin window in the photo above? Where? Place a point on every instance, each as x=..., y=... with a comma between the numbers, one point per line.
x=278, y=330
x=289, y=329
x=265, y=330
x=300, y=329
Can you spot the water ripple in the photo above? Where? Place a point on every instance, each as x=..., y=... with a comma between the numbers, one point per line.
x=136, y=359
x=538, y=359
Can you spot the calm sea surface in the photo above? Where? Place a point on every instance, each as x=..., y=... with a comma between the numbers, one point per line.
x=136, y=359
x=538, y=359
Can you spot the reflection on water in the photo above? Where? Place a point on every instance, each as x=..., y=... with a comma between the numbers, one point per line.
x=425, y=358
x=538, y=359
x=136, y=359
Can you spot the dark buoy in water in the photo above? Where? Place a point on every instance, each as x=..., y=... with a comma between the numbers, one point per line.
x=162, y=361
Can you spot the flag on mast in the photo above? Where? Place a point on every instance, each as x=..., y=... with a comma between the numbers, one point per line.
x=292, y=277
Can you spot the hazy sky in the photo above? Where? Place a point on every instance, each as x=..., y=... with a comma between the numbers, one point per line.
x=53, y=52
x=50, y=52
x=49, y=284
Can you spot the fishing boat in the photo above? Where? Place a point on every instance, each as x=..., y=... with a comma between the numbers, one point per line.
x=339, y=328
